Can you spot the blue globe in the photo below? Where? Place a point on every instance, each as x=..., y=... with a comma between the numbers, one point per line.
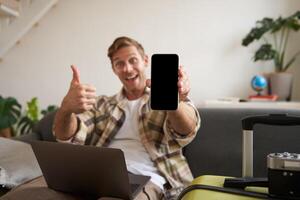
x=258, y=83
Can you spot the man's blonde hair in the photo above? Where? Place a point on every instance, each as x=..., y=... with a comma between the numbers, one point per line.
x=121, y=42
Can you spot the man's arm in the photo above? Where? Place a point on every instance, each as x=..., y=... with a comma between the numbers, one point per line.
x=65, y=125
x=184, y=119
x=80, y=98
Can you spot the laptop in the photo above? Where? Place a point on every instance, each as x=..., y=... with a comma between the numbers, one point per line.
x=87, y=171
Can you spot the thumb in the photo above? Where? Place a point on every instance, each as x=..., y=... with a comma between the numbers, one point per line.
x=75, y=79
x=148, y=83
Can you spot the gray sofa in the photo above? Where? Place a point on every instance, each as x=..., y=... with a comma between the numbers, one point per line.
x=217, y=148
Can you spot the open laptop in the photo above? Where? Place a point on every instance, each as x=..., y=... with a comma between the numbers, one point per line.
x=88, y=171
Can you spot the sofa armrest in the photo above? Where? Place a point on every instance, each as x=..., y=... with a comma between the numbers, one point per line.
x=29, y=137
x=44, y=127
x=41, y=131
x=217, y=148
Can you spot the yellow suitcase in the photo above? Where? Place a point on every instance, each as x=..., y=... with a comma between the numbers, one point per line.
x=209, y=183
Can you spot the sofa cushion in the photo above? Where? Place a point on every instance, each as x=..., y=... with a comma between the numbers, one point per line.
x=17, y=163
x=44, y=127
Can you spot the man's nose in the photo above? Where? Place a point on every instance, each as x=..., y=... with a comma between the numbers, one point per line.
x=128, y=67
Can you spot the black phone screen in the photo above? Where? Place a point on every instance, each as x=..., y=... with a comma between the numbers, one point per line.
x=164, y=78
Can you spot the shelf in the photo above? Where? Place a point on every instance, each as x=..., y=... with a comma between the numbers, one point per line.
x=249, y=104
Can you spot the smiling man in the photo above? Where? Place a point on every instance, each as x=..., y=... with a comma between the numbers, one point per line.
x=152, y=140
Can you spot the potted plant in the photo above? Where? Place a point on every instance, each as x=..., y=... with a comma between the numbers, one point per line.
x=275, y=34
x=10, y=111
x=32, y=116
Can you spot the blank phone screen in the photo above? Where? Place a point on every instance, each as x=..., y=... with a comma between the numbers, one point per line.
x=164, y=78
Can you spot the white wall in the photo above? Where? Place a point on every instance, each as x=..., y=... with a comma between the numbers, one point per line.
x=206, y=34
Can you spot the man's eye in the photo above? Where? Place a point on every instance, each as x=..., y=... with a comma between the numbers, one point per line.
x=119, y=64
x=133, y=60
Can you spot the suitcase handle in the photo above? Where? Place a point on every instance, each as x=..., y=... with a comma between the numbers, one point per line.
x=233, y=191
x=248, y=123
x=272, y=119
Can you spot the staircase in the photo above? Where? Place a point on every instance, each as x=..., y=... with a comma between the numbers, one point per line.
x=17, y=17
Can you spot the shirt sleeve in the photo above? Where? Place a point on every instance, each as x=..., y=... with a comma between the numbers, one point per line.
x=85, y=127
x=183, y=140
x=87, y=121
x=86, y=124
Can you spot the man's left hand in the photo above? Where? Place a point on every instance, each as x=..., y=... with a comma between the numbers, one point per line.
x=183, y=84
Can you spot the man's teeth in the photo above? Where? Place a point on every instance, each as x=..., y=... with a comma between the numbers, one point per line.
x=131, y=77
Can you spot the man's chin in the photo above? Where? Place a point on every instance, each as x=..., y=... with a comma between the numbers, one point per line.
x=135, y=87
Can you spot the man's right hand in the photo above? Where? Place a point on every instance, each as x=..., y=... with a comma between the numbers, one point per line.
x=80, y=97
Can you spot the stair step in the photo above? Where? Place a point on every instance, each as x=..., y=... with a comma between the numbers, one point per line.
x=12, y=29
x=9, y=8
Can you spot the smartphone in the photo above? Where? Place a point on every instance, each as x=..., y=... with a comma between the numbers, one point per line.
x=164, y=79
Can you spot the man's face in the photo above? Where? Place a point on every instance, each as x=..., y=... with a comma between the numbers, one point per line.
x=129, y=65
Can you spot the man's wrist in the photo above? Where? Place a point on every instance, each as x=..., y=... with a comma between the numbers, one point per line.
x=177, y=111
x=64, y=111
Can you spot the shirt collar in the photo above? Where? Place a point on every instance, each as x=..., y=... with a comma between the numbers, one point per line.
x=121, y=100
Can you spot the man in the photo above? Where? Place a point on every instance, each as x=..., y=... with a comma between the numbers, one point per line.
x=151, y=140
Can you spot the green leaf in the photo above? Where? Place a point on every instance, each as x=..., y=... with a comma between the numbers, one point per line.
x=10, y=111
x=278, y=24
x=258, y=31
x=33, y=110
x=293, y=24
x=265, y=52
x=50, y=108
x=296, y=15
x=25, y=125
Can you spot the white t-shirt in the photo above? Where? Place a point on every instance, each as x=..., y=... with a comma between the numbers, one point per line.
x=128, y=140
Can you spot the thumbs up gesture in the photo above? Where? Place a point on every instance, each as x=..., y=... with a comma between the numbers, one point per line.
x=80, y=97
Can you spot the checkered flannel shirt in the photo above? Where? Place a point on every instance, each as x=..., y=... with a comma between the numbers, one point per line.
x=98, y=126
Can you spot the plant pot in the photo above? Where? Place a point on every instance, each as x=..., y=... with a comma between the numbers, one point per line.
x=6, y=132
x=281, y=85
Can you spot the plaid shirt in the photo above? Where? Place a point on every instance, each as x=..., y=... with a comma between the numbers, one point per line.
x=98, y=127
